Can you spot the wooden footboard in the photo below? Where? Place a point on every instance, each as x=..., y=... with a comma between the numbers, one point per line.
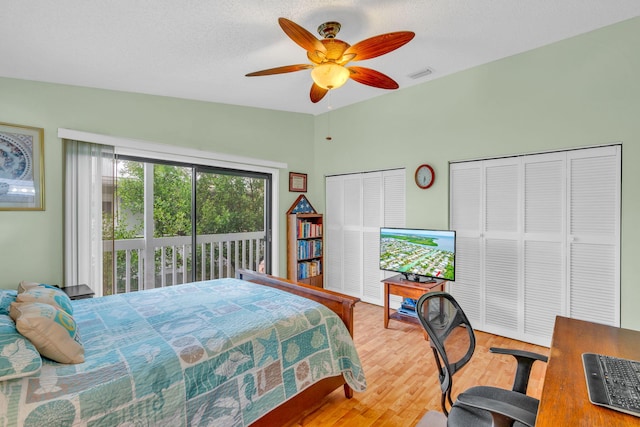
x=341, y=304
x=311, y=398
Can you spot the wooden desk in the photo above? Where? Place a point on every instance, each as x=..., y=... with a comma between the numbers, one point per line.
x=398, y=285
x=565, y=400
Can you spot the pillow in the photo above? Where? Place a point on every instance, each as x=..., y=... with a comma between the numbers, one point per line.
x=47, y=295
x=53, y=331
x=23, y=286
x=6, y=298
x=18, y=357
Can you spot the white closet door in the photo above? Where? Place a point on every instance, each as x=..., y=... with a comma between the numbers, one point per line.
x=372, y=208
x=501, y=233
x=357, y=206
x=544, y=244
x=548, y=243
x=333, y=230
x=594, y=234
x=352, y=236
x=394, y=190
x=465, y=181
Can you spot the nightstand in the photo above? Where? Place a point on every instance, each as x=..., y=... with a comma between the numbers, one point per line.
x=78, y=292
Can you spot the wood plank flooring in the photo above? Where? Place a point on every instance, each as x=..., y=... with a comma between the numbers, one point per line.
x=402, y=383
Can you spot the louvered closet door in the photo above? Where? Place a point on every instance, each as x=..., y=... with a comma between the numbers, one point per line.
x=394, y=215
x=333, y=225
x=544, y=244
x=501, y=233
x=352, y=235
x=548, y=244
x=465, y=181
x=357, y=206
x=594, y=235
x=372, y=208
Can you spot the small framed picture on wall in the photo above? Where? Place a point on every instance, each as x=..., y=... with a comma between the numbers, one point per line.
x=298, y=182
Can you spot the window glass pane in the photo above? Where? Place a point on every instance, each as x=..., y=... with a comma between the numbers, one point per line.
x=230, y=212
x=128, y=225
x=172, y=223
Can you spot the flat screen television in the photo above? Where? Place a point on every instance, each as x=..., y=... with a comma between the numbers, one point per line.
x=421, y=255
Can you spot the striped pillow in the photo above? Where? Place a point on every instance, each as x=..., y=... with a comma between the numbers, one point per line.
x=47, y=295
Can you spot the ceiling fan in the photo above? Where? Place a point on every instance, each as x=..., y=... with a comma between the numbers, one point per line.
x=330, y=55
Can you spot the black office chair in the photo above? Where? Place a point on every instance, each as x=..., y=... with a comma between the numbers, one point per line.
x=453, y=343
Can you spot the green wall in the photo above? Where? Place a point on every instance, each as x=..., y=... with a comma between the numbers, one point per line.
x=579, y=92
x=31, y=244
x=582, y=91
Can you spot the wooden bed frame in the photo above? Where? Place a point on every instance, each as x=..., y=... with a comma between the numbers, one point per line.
x=310, y=399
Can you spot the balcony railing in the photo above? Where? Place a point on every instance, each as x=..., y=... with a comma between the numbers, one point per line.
x=173, y=260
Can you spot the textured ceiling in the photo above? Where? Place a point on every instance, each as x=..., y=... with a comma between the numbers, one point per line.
x=202, y=49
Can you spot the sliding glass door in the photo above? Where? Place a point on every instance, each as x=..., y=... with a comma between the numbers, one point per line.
x=177, y=223
x=232, y=218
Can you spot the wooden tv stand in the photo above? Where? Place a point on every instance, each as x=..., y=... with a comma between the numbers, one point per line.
x=398, y=285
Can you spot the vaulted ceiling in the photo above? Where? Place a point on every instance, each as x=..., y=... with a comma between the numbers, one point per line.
x=202, y=50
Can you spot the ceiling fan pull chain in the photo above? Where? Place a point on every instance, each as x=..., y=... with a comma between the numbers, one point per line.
x=329, y=107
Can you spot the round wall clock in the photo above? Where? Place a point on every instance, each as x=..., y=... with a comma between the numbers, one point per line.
x=425, y=176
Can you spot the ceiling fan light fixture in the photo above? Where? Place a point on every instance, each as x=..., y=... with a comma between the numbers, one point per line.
x=330, y=75
x=330, y=55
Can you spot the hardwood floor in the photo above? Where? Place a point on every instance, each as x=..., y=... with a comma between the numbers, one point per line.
x=402, y=383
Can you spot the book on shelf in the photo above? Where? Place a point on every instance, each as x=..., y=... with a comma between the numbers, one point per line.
x=309, y=249
x=306, y=229
x=308, y=269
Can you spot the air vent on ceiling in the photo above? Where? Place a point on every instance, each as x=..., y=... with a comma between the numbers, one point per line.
x=422, y=73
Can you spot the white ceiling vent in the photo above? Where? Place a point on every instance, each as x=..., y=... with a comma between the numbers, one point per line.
x=421, y=74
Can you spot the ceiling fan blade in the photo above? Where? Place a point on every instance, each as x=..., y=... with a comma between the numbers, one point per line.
x=280, y=70
x=379, y=45
x=317, y=93
x=370, y=77
x=302, y=37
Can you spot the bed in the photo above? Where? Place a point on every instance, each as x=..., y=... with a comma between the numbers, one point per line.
x=228, y=352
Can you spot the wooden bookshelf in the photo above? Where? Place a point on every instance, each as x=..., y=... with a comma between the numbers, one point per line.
x=305, y=248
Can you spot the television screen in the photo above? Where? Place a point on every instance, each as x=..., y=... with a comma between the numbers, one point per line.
x=418, y=253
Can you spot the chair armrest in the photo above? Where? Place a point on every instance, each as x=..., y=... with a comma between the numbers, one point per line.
x=520, y=353
x=525, y=361
x=503, y=414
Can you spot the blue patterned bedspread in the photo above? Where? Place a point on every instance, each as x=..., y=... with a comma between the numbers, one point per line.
x=222, y=352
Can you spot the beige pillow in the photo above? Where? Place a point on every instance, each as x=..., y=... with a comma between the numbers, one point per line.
x=24, y=285
x=46, y=295
x=51, y=330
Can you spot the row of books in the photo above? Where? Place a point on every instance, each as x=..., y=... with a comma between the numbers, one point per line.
x=309, y=269
x=309, y=249
x=308, y=229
